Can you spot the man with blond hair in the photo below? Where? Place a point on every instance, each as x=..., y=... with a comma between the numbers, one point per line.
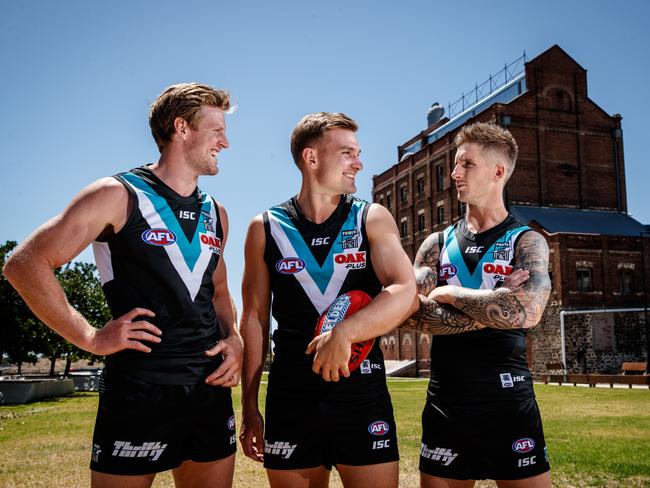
x=172, y=349
x=483, y=282
x=319, y=414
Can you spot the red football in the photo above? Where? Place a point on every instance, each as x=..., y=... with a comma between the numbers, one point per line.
x=342, y=307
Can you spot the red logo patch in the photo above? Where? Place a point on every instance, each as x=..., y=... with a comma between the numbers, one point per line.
x=351, y=260
x=500, y=269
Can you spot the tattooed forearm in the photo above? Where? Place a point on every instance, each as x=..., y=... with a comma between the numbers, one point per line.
x=425, y=265
x=521, y=308
x=436, y=319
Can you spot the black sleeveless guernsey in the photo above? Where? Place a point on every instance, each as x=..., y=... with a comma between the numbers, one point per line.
x=163, y=259
x=488, y=366
x=309, y=266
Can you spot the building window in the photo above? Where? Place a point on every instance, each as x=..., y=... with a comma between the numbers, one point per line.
x=583, y=276
x=626, y=280
x=462, y=208
x=441, y=214
x=421, y=222
x=388, y=200
x=440, y=177
x=403, y=194
x=403, y=229
x=420, y=185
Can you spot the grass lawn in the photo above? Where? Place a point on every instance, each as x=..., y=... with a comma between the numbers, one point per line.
x=596, y=437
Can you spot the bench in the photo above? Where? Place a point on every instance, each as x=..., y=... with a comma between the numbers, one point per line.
x=633, y=368
x=593, y=379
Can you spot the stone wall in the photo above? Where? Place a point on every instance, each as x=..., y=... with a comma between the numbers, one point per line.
x=594, y=343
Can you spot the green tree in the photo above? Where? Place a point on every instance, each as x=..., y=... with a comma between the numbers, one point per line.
x=17, y=331
x=83, y=289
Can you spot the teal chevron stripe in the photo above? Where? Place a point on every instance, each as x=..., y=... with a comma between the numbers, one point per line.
x=189, y=249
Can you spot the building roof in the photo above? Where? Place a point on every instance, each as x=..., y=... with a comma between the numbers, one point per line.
x=578, y=221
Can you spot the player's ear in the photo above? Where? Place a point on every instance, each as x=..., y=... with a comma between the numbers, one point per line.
x=309, y=157
x=500, y=170
x=180, y=126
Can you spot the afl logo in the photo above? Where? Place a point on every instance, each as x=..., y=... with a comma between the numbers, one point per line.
x=159, y=237
x=231, y=423
x=290, y=265
x=447, y=271
x=378, y=428
x=523, y=445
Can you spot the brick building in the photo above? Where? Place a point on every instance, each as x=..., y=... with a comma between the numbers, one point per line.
x=569, y=184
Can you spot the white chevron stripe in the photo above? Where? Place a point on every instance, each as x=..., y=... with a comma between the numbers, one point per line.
x=320, y=300
x=191, y=278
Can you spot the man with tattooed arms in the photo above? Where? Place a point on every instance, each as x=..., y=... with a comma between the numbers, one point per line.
x=482, y=283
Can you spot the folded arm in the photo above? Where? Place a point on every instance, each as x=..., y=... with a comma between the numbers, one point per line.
x=389, y=308
x=508, y=307
x=433, y=317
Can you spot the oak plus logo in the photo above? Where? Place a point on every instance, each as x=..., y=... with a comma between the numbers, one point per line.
x=279, y=448
x=351, y=260
x=150, y=450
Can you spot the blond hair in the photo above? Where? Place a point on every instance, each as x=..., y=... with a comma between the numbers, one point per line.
x=491, y=137
x=183, y=100
x=314, y=126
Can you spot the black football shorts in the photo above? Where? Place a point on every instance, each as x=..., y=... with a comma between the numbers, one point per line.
x=303, y=432
x=143, y=428
x=506, y=444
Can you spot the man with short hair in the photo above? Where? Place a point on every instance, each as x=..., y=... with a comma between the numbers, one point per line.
x=319, y=414
x=172, y=350
x=481, y=419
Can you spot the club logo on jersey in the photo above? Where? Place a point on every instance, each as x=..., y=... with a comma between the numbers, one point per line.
x=498, y=271
x=523, y=445
x=208, y=221
x=379, y=428
x=506, y=380
x=447, y=271
x=351, y=260
x=365, y=367
x=213, y=243
x=231, y=423
x=502, y=251
x=291, y=265
x=158, y=237
x=349, y=239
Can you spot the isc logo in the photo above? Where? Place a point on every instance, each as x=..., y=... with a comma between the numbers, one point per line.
x=382, y=444
x=351, y=260
x=447, y=271
x=529, y=461
x=523, y=445
x=291, y=265
x=158, y=237
x=378, y=428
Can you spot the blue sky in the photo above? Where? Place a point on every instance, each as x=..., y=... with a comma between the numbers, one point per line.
x=78, y=76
